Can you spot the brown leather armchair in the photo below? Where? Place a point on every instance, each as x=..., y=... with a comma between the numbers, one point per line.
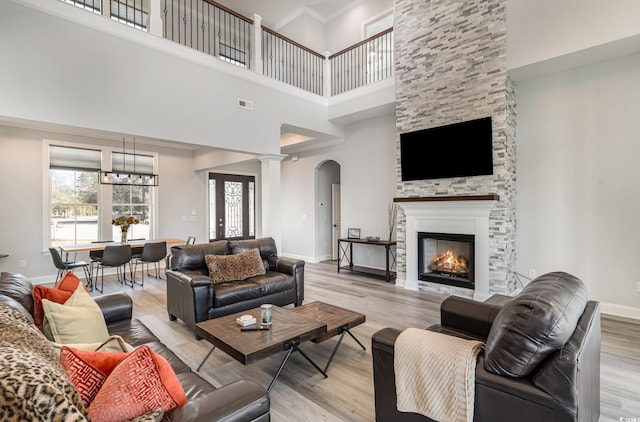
x=528, y=379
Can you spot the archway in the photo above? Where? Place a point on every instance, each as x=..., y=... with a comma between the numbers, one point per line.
x=327, y=209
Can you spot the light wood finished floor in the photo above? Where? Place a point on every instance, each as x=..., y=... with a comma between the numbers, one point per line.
x=302, y=394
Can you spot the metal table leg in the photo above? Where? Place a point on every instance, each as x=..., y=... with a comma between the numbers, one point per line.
x=292, y=346
x=342, y=330
x=205, y=358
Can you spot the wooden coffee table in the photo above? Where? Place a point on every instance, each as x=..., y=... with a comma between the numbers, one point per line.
x=338, y=320
x=315, y=321
x=288, y=330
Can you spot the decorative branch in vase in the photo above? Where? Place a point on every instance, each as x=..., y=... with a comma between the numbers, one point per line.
x=393, y=213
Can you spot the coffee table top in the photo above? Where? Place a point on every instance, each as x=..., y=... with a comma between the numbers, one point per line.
x=334, y=316
x=251, y=346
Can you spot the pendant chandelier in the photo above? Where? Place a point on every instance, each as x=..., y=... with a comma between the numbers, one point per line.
x=128, y=178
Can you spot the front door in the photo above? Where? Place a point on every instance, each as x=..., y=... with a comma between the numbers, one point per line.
x=231, y=206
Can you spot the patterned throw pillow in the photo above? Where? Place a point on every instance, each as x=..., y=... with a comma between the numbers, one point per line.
x=89, y=370
x=33, y=385
x=223, y=268
x=141, y=382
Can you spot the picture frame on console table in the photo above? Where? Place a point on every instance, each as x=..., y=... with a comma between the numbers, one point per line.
x=353, y=233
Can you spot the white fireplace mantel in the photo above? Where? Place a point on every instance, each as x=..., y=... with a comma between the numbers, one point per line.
x=455, y=217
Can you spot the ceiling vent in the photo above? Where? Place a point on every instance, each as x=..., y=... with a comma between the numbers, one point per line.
x=245, y=104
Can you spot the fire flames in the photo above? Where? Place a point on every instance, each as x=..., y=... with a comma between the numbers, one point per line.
x=451, y=263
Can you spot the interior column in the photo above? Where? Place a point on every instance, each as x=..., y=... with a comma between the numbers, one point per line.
x=271, y=215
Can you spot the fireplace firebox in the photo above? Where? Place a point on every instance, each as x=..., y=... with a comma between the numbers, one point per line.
x=446, y=258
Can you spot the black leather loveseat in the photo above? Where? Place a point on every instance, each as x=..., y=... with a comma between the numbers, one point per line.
x=242, y=400
x=542, y=358
x=192, y=295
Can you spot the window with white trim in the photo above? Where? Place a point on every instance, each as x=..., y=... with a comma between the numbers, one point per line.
x=73, y=194
x=77, y=200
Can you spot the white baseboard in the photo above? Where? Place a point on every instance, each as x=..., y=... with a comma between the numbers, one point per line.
x=620, y=310
x=313, y=260
x=51, y=278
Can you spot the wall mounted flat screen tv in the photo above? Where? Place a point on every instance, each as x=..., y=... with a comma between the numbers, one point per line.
x=456, y=150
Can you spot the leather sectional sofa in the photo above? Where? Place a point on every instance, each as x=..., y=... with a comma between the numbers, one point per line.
x=192, y=296
x=242, y=400
x=549, y=329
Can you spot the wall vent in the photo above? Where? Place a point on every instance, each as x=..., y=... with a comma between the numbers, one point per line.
x=245, y=104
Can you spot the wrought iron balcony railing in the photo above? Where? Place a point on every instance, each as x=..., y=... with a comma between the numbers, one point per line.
x=214, y=29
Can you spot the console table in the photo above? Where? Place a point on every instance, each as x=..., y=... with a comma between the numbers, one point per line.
x=345, y=252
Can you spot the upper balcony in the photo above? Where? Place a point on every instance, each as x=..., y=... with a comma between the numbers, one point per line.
x=216, y=30
x=183, y=75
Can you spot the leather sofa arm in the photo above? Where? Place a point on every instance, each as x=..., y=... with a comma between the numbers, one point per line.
x=466, y=315
x=115, y=307
x=190, y=296
x=239, y=401
x=384, y=380
x=292, y=267
x=191, y=278
x=285, y=265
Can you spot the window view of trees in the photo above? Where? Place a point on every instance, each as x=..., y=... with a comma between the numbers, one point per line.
x=135, y=201
x=76, y=196
x=74, y=206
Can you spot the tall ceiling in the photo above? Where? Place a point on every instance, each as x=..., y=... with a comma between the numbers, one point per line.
x=274, y=12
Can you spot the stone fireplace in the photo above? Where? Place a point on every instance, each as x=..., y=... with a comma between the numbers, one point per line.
x=450, y=67
x=462, y=218
x=446, y=258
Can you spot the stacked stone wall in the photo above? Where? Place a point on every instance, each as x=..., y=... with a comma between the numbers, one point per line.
x=450, y=66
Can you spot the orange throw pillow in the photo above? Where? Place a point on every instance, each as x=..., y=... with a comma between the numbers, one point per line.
x=69, y=283
x=88, y=370
x=50, y=293
x=143, y=381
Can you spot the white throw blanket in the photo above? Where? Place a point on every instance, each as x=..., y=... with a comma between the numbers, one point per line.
x=435, y=374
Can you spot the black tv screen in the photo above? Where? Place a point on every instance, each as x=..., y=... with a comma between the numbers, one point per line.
x=457, y=150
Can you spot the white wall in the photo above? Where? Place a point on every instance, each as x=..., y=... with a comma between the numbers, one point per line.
x=23, y=212
x=346, y=29
x=578, y=178
x=307, y=31
x=367, y=162
x=109, y=77
x=545, y=29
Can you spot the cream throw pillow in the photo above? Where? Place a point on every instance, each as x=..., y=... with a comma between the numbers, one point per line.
x=114, y=344
x=78, y=320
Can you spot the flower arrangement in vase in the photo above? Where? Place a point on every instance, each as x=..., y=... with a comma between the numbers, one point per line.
x=124, y=223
